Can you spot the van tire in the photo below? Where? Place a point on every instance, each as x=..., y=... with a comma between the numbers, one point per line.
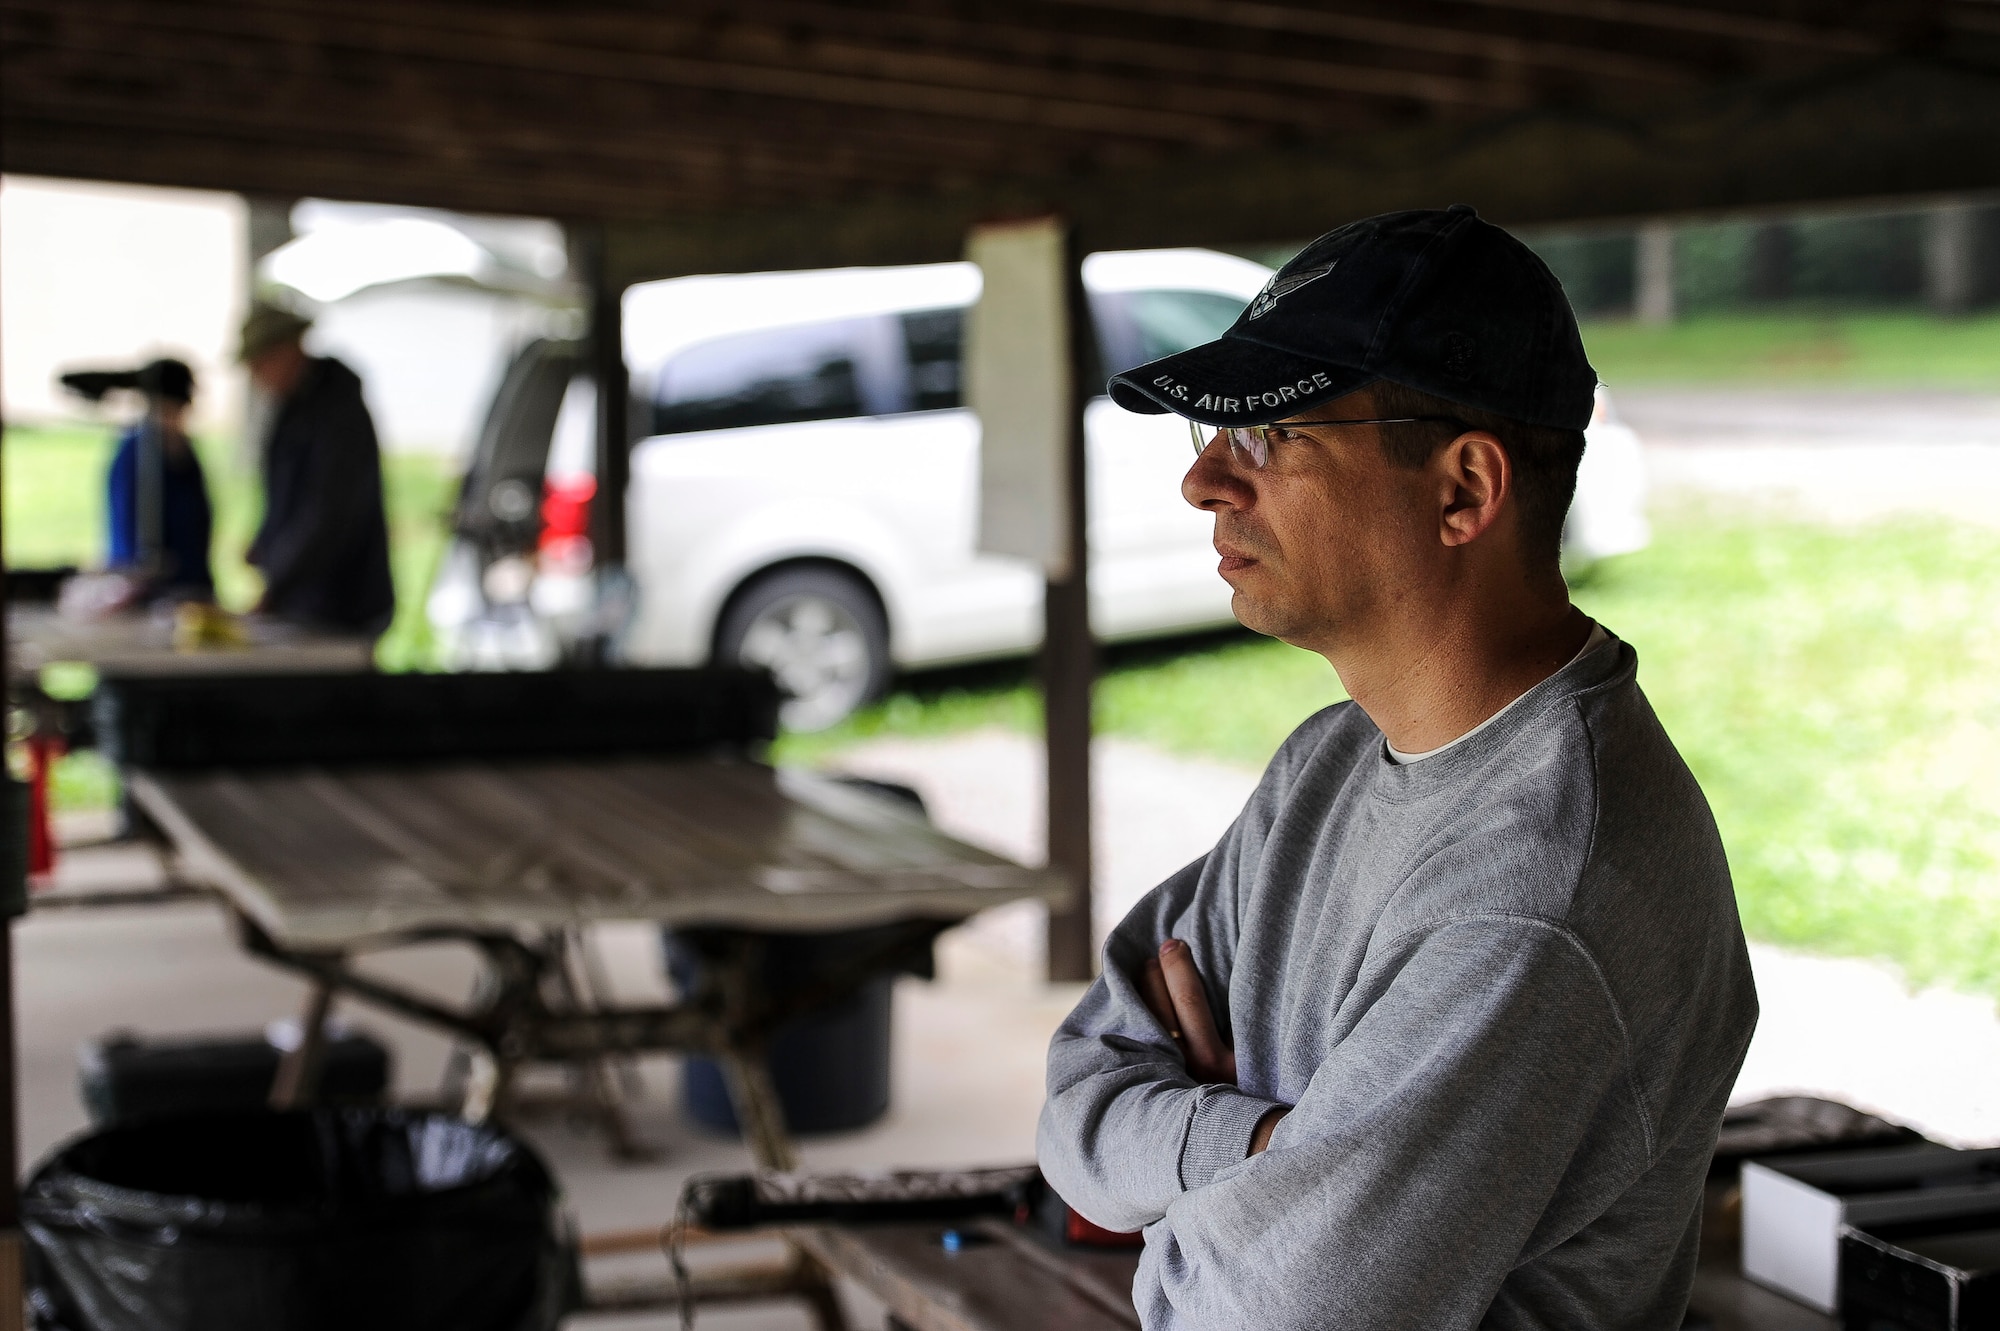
x=822, y=635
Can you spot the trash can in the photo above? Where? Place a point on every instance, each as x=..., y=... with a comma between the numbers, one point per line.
x=305, y=1220
x=124, y=1076
x=830, y=1067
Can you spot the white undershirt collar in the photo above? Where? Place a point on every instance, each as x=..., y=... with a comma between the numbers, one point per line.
x=1598, y=637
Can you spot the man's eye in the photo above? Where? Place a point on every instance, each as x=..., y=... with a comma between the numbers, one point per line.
x=1281, y=434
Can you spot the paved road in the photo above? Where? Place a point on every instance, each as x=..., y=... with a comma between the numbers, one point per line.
x=1847, y=455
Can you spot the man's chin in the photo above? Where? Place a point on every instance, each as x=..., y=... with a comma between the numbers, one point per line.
x=1251, y=613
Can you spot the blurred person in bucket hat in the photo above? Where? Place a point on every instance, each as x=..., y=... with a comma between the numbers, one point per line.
x=1440, y=1034
x=323, y=547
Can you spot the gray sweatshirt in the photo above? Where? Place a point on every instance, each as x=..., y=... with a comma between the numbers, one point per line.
x=1505, y=988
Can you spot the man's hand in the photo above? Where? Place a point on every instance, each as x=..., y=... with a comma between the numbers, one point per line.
x=1171, y=985
x=1174, y=995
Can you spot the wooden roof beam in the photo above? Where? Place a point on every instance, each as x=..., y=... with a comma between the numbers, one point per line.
x=1209, y=62
x=1320, y=21
x=485, y=37
x=1732, y=24
x=1906, y=128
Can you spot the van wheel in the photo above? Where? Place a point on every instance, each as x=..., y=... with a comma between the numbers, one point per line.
x=821, y=635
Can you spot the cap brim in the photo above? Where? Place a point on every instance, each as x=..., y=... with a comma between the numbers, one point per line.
x=1234, y=381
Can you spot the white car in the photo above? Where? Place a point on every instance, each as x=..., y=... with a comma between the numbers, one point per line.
x=804, y=484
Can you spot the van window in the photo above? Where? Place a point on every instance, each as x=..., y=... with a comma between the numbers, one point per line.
x=934, y=341
x=1171, y=321
x=807, y=372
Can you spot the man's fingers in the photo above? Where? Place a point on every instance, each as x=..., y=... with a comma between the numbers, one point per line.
x=1190, y=1000
x=1153, y=988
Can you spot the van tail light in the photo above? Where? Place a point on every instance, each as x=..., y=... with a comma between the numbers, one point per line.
x=565, y=542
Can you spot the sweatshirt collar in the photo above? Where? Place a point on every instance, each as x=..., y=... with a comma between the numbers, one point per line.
x=1611, y=663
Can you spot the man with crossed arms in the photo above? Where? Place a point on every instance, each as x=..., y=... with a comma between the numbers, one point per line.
x=1440, y=1034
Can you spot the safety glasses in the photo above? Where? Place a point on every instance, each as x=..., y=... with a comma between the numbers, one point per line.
x=1251, y=444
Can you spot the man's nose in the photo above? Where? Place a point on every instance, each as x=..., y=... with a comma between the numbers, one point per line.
x=1213, y=481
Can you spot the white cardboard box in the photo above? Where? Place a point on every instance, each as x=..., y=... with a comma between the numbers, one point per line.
x=1793, y=1207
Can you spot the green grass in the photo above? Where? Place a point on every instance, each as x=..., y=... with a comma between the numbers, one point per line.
x=1837, y=693
x=1880, y=350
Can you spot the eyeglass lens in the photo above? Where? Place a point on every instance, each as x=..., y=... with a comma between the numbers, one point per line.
x=1247, y=442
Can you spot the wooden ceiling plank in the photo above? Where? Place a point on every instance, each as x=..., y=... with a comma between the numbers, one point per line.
x=1216, y=94
x=1734, y=25
x=1444, y=39
x=72, y=151
x=209, y=75
x=473, y=38
x=1218, y=59
x=213, y=106
x=808, y=146
x=1910, y=129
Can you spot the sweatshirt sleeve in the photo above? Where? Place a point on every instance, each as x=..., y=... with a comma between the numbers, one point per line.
x=1124, y=1125
x=1416, y=1169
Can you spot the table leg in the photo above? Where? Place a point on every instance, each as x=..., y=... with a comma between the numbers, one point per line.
x=762, y=1119
x=816, y=1291
x=758, y=1112
x=486, y=1083
x=298, y=1071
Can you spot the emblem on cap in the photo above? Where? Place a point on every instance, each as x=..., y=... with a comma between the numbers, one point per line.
x=1282, y=286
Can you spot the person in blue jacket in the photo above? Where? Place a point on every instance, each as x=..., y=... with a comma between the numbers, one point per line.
x=167, y=548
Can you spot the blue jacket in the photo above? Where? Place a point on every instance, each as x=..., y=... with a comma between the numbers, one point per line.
x=186, y=519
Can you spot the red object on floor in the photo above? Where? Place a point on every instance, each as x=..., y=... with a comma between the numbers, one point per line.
x=43, y=750
x=1078, y=1230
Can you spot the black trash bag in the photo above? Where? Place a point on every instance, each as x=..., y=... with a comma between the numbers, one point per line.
x=307, y=1220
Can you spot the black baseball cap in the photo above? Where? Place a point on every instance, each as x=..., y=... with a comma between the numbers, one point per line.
x=1434, y=299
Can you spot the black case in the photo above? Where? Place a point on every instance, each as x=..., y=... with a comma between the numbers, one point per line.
x=1922, y=1275
x=123, y=1077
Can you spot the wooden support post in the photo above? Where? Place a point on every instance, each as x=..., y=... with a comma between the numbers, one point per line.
x=1948, y=258
x=607, y=363
x=1069, y=661
x=13, y=1292
x=1653, y=278
x=759, y=1113
x=13, y=1304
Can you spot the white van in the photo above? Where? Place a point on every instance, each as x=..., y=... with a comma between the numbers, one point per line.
x=804, y=484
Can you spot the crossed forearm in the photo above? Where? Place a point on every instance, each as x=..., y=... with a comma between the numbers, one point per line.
x=1171, y=985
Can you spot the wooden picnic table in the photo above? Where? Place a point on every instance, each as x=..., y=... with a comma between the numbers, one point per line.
x=334, y=858
x=324, y=864
x=141, y=643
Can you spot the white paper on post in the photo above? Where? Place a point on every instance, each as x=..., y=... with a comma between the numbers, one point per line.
x=1018, y=383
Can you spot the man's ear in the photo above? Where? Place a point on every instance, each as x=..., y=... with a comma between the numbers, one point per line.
x=1477, y=476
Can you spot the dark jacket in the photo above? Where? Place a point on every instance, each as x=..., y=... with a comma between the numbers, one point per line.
x=186, y=521
x=324, y=545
